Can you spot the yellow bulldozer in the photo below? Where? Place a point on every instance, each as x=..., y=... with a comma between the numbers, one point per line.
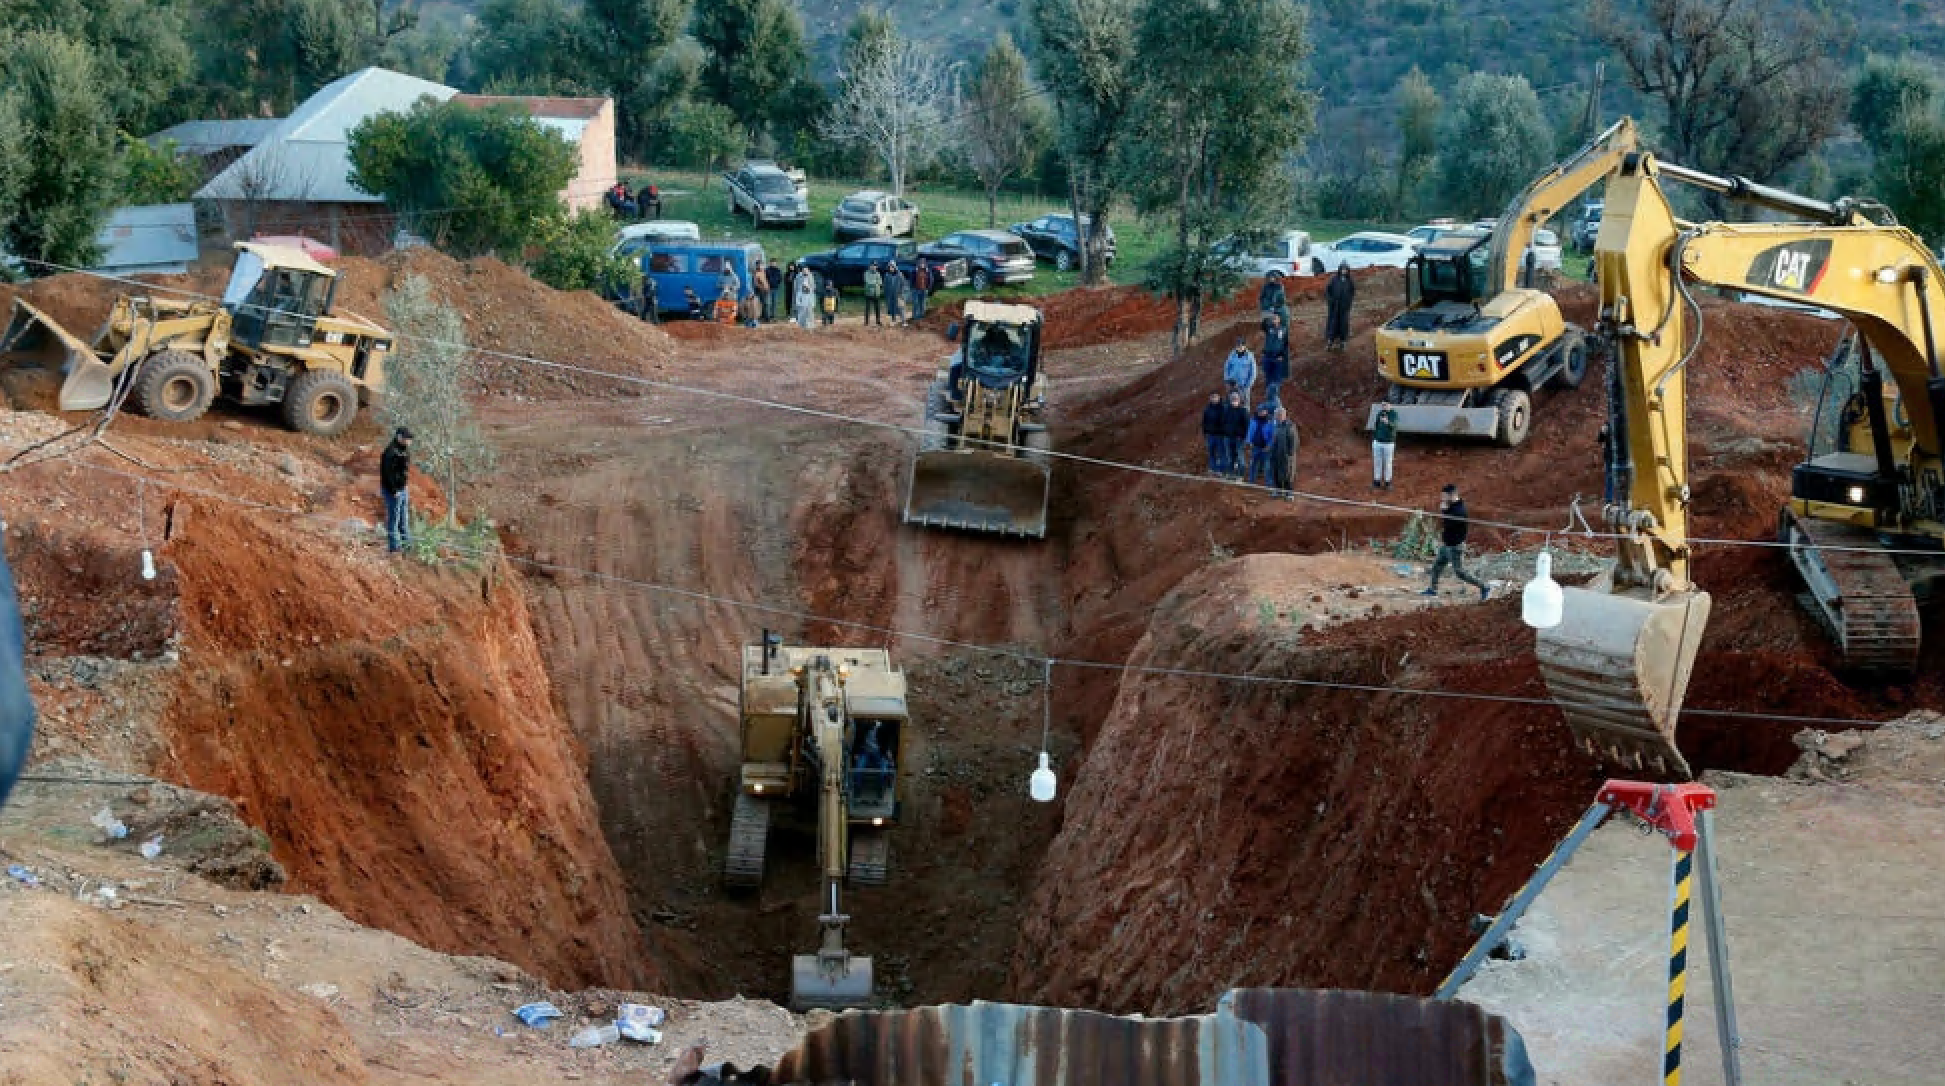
x=1865, y=524
x=273, y=339
x=1478, y=341
x=823, y=744
x=982, y=462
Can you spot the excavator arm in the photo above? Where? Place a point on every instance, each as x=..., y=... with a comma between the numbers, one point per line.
x=1549, y=194
x=831, y=977
x=1620, y=660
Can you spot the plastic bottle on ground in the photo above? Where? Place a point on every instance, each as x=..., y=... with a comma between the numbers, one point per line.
x=596, y=1036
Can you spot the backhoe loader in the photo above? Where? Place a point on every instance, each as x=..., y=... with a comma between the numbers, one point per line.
x=1477, y=340
x=823, y=743
x=1620, y=659
x=982, y=463
x=273, y=339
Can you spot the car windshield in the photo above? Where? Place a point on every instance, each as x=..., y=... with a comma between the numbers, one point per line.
x=773, y=184
x=998, y=353
x=856, y=206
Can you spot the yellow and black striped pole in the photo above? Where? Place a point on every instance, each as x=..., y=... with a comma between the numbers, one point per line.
x=1671, y=1067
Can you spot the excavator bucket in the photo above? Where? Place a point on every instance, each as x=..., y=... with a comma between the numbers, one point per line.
x=89, y=380
x=1619, y=666
x=823, y=981
x=980, y=491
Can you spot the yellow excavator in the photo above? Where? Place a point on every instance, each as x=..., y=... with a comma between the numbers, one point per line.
x=1477, y=340
x=1865, y=525
x=823, y=742
x=982, y=460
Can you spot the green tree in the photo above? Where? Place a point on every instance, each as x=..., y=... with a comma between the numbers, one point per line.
x=624, y=40
x=892, y=100
x=156, y=175
x=68, y=151
x=1002, y=126
x=427, y=377
x=699, y=135
x=1085, y=57
x=140, y=49
x=1492, y=141
x=532, y=45
x=1216, y=117
x=757, y=61
x=497, y=166
x=1886, y=91
x=13, y=158
x=1418, y=116
x=1899, y=109
x=577, y=254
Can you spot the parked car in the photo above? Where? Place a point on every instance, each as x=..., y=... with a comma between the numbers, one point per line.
x=1544, y=249
x=991, y=256
x=1053, y=237
x=697, y=266
x=632, y=241
x=846, y=264
x=767, y=195
x=1287, y=253
x=873, y=214
x=1587, y=226
x=1432, y=231
x=1364, y=249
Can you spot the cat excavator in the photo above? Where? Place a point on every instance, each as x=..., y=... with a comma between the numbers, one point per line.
x=1865, y=524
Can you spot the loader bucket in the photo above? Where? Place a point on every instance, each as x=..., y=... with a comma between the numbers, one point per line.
x=1619, y=666
x=89, y=380
x=820, y=981
x=979, y=491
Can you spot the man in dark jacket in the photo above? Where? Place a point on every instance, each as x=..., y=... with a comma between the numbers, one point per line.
x=1338, y=295
x=1283, y=455
x=1271, y=298
x=394, y=471
x=1276, y=358
x=921, y=286
x=1212, y=435
x=651, y=304
x=16, y=706
x=1453, y=528
x=773, y=275
x=1235, y=430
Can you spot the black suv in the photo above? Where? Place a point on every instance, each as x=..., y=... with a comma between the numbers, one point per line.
x=1054, y=238
x=991, y=256
x=846, y=264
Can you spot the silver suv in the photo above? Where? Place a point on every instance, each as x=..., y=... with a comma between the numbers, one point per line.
x=873, y=214
x=767, y=195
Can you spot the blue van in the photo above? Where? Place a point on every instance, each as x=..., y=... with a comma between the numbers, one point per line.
x=698, y=266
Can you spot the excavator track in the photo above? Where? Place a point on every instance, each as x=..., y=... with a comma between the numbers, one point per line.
x=1857, y=592
x=749, y=832
x=870, y=858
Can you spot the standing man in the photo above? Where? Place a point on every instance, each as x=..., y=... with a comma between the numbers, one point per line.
x=874, y=290
x=773, y=276
x=805, y=300
x=16, y=704
x=1239, y=371
x=1212, y=435
x=394, y=471
x=827, y=302
x=1283, y=455
x=1271, y=298
x=921, y=286
x=760, y=285
x=1235, y=430
x=1384, y=442
x=729, y=284
x=894, y=293
x=1453, y=529
x=1276, y=358
x=1261, y=432
x=1338, y=295
x=651, y=309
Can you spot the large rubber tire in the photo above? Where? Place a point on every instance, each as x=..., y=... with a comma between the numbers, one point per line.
x=981, y=280
x=1574, y=371
x=1317, y=266
x=1064, y=261
x=1515, y=417
x=175, y=386
x=322, y=403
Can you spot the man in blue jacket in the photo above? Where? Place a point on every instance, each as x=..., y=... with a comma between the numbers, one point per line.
x=16, y=707
x=1261, y=432
x=1239, y=371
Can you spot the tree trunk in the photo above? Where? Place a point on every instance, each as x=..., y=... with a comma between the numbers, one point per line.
x=992, y=206
x=452, y=493
x=1080, y=230
x=1182, y=255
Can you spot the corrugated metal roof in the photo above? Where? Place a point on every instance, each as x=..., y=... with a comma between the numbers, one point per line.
x=307, y=158
x=207, y=137
x=1255, y=1037
x=157, y=238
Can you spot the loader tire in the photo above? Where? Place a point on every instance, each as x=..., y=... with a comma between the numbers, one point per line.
x=1515, y=417
x=175, y=386
x=1573, y=369
x=322, y=403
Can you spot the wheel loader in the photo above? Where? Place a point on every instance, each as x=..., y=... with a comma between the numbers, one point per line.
x=273, y=339
x=823, y=736
x=1865, y=524
x=1477, y=341
x=982, y=462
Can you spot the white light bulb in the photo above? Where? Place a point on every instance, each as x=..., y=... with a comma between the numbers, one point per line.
x=1041, y=785
x=1542, y=602
x=148, y=564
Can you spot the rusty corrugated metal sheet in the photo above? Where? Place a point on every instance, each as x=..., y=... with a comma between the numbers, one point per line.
x=1255, y=1037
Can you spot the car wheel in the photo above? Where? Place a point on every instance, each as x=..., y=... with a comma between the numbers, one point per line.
x=1317, y=266
x=756, y=218
x=982, y=281
x=1064, y=261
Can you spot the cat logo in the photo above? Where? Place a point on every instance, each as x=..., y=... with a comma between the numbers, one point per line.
x=1797, y=267
x=1422, y=365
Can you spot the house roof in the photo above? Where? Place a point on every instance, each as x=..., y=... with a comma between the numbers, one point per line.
x=568, y=116
x=208, y=137
x=307, y=158
x=159, y=236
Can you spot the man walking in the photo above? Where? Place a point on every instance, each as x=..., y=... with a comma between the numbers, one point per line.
x=1239, y=371
x=874, y=290
x=1283, y=455
x=394, y=471
x=1213, y=419
x=1453, y=528
x=1276, y=358
x=1384, y=442
x=1338, y=296
x=774, y=277
x=921, y=286
x=1235, y=430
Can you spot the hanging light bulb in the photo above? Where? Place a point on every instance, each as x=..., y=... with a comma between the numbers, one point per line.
x=1541, y=603
x=1041, y=785
x=148, y=564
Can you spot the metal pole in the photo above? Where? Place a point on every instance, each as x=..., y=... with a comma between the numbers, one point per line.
x=1725, y=996
x=1522, y=901
x=1678, y=917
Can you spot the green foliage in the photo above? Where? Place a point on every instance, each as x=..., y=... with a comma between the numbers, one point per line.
x=472, y=545
x=529, y=46
x=139, y=48
x=1492, y=141
x=575, y=255
x=759, y=65
x=624, y=39
x=699, y=135
x=1886, y=91
x=263, y=57
x=1418, y=116
x=1909, y=172
x=156, y=175
x=67, y=158
x=426, y=380
x=493, y=174
x=1085, y=56
x=1003, y=127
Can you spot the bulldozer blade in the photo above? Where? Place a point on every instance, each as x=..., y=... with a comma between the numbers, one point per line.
x=1619, y=666
x=89, y=381
x=812, y=985
x=979, y=491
